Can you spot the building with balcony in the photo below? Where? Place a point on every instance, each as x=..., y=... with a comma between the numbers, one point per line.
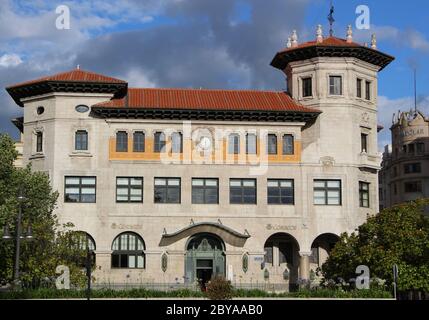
x=177, y=185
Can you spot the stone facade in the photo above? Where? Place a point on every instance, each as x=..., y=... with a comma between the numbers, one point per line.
x=405, y=168
x=261, y=243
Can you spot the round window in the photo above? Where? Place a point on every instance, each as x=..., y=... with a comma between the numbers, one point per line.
x=40, y=110
x=82, y=108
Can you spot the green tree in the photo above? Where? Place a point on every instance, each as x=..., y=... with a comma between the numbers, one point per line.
x=398, y=235
x=53, y=244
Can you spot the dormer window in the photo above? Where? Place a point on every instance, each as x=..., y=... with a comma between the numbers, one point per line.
x=335, y=85
x=307, y=87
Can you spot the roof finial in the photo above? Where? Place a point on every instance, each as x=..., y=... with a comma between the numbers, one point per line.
x=289, y=42
x=349, y=34
x=294, y=39
x=373, y=42
x=78, y=67
x=331, y=20
x=319, y=34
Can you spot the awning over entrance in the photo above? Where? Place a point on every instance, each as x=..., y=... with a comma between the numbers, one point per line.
x=227, y=234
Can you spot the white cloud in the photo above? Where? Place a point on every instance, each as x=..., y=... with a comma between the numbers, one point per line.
x=10, y=60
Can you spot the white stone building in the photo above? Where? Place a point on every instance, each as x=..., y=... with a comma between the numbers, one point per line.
x=174, y=185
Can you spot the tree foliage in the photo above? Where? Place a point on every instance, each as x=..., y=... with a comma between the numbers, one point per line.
x=53, y=244
x=398, y=235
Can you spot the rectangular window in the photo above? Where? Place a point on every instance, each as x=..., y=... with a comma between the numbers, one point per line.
x=138, y=141
x=242, y=191
x=288, y=144
x=411, y=148
x=335, y=85
x=367, y=90
x=272, y=144
x=307, y=87
x=280, y=191
x=81, y=140
x=129, y=189
x=364, y=194
x=359, y=88
x=413, y=187
x=39, y=141
x=121, y=141
x=327, y=192
x=363, y=142
x=177, y=142
x=205, y=191
x=167, y=190
x=159, y=145
x=234, y=144
x=412, y=168
x=420, y=148
x=80, y=189
x=251, y=143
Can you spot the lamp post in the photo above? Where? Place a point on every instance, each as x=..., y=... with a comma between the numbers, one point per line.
x=18, y=236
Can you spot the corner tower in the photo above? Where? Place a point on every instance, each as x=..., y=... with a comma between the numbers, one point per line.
x=339, y=77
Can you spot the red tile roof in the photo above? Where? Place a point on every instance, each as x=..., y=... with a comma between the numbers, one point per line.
x=76, y=75
x=205, y=99
x=327, y=42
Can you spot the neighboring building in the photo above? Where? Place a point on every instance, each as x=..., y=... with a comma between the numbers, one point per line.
x=19, y=145
x=405, y=168
x=178, y=184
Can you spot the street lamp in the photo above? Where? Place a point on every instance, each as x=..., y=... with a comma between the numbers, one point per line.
x=19, y=235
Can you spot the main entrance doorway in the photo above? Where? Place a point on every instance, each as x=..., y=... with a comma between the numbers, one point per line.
x=205, y=258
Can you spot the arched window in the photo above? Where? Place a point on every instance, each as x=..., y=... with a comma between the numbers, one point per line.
x=159, y=145
x=128, y=251
x=121, y=141
x=83, y=242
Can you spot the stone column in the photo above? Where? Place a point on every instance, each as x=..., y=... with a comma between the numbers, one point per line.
x=304, y=265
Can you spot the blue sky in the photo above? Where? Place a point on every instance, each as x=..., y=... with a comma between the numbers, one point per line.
x=203, y=43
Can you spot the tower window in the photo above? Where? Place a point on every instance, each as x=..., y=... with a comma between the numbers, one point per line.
x=359, y=88
x=367, y=90
x=81, y=140
x=307, y=87
x=39, y=141
x=364, y=142
x=335, y=85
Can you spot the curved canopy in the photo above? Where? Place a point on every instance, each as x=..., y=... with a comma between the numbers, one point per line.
x=227, y=234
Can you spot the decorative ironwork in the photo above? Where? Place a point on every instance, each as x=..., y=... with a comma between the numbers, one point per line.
x=164, y=262
x=245, y=262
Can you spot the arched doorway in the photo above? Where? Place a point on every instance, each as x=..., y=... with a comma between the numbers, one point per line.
x=321, y=248
x=281, y=261
x=205, y=258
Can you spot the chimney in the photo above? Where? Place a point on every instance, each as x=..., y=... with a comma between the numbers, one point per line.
x=349, y=34
x=319, y=34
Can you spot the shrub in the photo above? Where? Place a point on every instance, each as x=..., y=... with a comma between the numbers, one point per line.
x=219, y=289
